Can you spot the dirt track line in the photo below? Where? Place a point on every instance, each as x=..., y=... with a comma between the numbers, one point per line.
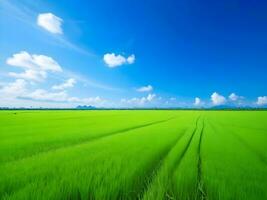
x=181, y=157
x=178, y=161
x=201, y=192
x=114, y=133
x=157, y=166
x=171, y=170
x=85, y=140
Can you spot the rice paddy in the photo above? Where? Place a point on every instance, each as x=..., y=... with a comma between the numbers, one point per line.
x=142, y=154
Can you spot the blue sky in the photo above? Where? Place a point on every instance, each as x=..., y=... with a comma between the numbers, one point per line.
x=133, y=53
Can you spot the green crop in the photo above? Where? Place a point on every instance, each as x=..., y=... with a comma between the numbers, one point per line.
x=150, y=155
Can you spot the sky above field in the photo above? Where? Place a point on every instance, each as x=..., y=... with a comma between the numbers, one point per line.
x=122, y=53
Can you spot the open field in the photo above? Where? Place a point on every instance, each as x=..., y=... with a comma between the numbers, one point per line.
x=217, y=155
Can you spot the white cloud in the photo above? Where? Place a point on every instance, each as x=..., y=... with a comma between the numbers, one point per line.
x=262, y=100
x=17, y=94
x=131, y=59
x=62, y=96
x=43, y=95
x=29, y=75
x=150, y=97
x=198, y=101
x=233, y=97
x=139, y=101
x=113, y=60
x=148, y=88
x=23, y=13
x=14, y=89
x=217, y=99
x=41, y=62
x=68, y=84
x=50, y=22
x=46, y=63
x=35, y=66
x=22, y=59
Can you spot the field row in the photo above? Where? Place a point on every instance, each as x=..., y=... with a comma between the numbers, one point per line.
x=133, y=155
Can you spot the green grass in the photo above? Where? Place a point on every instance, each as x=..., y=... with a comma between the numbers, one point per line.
x=150, y=155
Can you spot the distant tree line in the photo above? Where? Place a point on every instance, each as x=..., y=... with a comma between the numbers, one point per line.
x=85, y=107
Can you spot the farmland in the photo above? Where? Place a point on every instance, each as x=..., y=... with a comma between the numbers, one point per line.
x=150, y=155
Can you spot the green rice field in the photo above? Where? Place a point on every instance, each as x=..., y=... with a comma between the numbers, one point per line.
x=127, y=154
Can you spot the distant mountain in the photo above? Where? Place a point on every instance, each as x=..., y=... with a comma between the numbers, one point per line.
x=85, y=107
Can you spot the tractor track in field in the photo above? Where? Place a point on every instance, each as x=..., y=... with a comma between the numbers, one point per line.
x=155, y=167
x=115, y=133
x=181, y=157
x=200, y=188
x=176, y=162
x=91, y=139
x=201, y=191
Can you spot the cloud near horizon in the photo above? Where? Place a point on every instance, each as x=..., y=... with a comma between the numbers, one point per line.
x=261, y=101
x=19, y=90
x=61, y=96
x=139, y=101
x=234, y=97
x=198, y=102
x=217, y=99
x=26, y=85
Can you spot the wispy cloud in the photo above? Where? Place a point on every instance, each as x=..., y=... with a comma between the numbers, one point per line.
x=61, y=96
x=147, y=88
x=89, y=82
x=29, y=16
x=66, y=43
x=67, y=84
